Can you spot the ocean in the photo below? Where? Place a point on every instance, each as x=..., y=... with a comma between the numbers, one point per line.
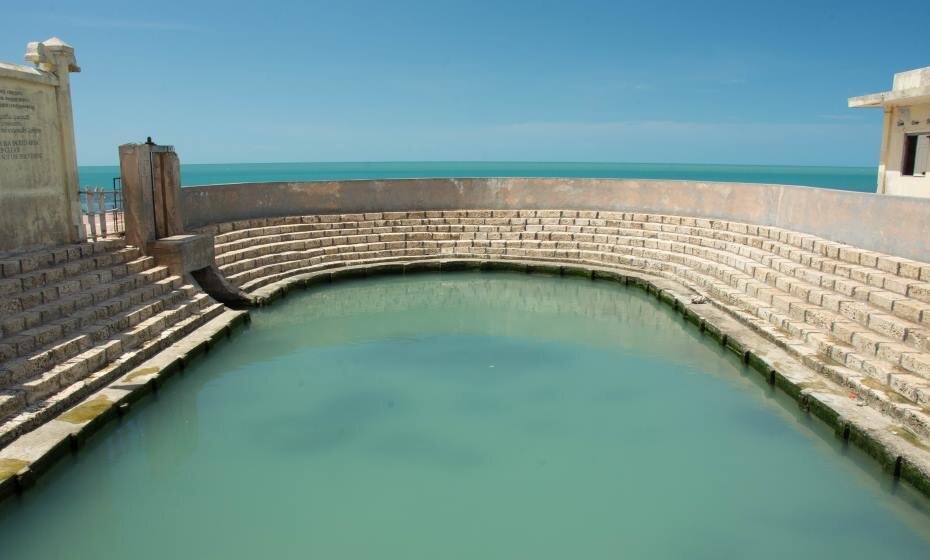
x=846, y=178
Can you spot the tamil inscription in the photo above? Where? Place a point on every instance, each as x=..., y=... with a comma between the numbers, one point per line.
x=19, y=130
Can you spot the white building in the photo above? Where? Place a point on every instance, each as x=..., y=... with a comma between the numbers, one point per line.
x=905, y=151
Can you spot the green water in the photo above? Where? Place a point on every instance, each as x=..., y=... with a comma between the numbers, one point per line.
x=845, y=178
x=471, y=415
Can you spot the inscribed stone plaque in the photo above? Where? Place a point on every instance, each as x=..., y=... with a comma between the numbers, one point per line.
x=34, y=197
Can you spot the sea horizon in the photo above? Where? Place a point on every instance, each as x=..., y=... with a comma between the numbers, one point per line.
x=852, y=178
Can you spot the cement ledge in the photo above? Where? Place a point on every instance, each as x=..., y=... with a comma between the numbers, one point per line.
x=33, y=453
x=901, y=453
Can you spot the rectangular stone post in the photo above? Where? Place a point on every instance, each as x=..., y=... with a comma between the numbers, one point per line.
x=138, y=205
x=166, y=172
x=151, y=180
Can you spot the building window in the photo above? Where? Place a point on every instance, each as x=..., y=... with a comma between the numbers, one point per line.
x=916, y=154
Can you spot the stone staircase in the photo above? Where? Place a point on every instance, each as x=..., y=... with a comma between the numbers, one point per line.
x=75, y=317
x=860, y=318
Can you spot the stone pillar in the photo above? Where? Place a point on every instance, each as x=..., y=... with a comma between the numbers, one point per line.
x=888, y=124
x=151, y=179
x=58, y=58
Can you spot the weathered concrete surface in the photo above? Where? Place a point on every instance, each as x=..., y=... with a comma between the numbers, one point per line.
x=183, y=253
x=38, y=163
x=894, y=225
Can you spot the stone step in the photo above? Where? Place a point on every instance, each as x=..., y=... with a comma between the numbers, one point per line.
x=876, y=313
x=909, y=310
x=140, y=288
x=244, y=265
x=53, y=380
x=21, y=419
x=248, y=264
x=48, y=274
x=875, y=271
x=370, y=258
x=768, y=270
x=348, y=237
x=813, y=246
x=13, y=265
x=94, y=325
x=38, y=297
x=871, y=354
x=869, y=288
x=66, y=300
x=871, y=344
x=312, y=231
x=312, y=257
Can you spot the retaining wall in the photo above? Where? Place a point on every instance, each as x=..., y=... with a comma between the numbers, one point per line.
x=888, y=224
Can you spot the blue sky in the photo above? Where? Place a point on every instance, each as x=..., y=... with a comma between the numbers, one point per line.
x=710, y=81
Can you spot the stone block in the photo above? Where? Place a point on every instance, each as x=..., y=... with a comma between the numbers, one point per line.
x=920, y=292
x=918, y=363
x=897, y=284
x=909, y=269
x=9, y=267
x=183, y=253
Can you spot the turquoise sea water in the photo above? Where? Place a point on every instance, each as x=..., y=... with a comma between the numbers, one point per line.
x=471, y=415
x=847, y=178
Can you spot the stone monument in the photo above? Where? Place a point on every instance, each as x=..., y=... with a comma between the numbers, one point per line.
x=39, y=204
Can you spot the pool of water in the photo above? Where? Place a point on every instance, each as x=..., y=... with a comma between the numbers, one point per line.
x=471, y=415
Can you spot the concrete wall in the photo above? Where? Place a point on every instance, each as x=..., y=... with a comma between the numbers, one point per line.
x=38, y=166
x=889, y=224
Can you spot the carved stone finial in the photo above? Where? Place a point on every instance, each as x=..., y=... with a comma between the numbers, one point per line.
x=35, y=53
x=51, y=55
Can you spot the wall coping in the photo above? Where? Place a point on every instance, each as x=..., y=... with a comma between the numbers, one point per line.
x=27, y=74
